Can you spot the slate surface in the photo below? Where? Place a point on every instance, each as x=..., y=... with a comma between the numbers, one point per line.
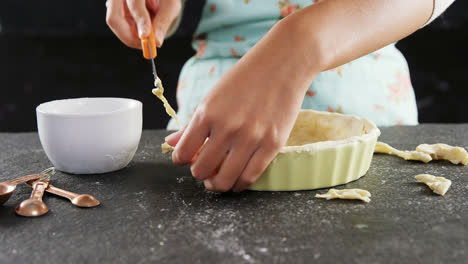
x=153, y=211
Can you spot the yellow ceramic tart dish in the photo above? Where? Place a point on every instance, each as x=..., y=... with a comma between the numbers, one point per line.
x=323, y=150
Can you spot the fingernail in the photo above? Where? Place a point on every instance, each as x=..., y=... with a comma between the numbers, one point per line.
x=159, y=37
x=208, y=184
x=143, y=30
x=169, y=137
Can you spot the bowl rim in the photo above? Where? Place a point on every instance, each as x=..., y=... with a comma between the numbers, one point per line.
x=40, y=110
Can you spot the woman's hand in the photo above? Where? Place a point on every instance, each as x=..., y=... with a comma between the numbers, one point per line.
x=247, y=117
x=131, y=20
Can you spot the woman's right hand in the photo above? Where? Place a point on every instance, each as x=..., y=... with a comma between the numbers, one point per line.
x=131, y=20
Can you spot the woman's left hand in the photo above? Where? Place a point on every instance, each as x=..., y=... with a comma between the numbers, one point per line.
x=247, y=116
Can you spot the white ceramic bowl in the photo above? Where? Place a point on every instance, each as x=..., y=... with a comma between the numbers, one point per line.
x=90, y=135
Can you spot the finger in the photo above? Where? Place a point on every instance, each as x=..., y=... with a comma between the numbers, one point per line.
x=174, y=138
x=255, y=167
x=122, y=26
x=190, y=142
x=210, y=157
x=153, y=6
x=231, y=169
x=141, y=16
x=166, y=14
x=195, y=157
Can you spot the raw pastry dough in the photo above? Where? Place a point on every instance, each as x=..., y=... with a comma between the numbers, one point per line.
x=166, y=148
x=159, y=93
x=357, y=194
x=439, y=151
x=381, y=147
x=439, y=185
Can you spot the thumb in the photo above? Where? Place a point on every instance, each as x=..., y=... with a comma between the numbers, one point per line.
x=141, y=16
x=166, y=14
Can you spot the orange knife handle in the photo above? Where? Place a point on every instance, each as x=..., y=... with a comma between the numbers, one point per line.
x=145, y=47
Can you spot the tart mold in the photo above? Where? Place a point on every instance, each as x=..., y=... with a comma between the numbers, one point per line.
x=341, y=159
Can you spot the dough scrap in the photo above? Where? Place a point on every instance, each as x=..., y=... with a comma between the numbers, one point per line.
x=381, y=147
x=166, y=148
x=439, y=185
x=455, y=155
x=358, y=194
x=159, y=93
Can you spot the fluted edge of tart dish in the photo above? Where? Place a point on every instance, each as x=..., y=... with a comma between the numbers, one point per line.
x=343, y=158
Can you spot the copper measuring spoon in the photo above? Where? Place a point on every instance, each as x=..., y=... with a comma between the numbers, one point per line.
x=8, y=187
x=34, y=206
x=81, y=200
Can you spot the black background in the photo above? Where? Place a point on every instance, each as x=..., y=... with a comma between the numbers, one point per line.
x=58, y=49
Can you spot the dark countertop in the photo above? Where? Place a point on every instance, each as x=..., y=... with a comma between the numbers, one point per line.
x=153, y=211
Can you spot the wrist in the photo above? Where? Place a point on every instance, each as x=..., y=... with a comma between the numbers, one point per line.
x=304, y=42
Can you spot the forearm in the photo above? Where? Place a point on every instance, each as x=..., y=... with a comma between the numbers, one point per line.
x=334, y=32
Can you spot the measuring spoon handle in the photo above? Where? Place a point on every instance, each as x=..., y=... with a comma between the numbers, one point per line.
x=61, y=192
x=57, y=191
x=23, y=179
x=38, y=190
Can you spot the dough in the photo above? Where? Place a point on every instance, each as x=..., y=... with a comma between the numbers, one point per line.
x=439, y=151
x=381, y=147
x=312, y=128
x=159, y=93
x=426, y=152
x=166, y=148
x=357, y=194
x=439, y=185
